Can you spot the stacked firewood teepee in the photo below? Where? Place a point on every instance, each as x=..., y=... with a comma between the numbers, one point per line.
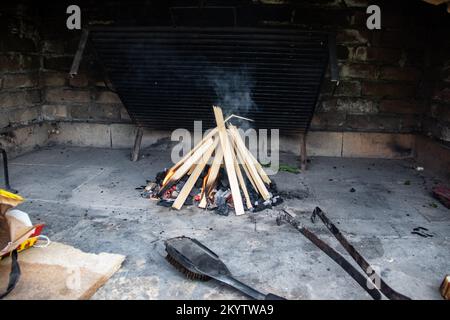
x=226, y=146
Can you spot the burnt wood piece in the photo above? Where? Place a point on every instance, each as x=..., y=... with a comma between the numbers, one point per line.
x=79, y=54
x=6, y=171
x=442, y=194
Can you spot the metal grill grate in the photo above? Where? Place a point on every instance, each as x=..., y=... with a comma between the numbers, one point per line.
x=167, y=77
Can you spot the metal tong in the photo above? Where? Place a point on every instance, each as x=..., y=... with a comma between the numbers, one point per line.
x=366, y=280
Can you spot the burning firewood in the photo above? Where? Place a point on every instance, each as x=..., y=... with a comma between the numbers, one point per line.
x=233, y=177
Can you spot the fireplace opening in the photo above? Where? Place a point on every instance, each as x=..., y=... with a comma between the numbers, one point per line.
x=227, y=139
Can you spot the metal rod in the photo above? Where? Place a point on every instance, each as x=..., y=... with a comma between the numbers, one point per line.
x=137, y=144
x=6, y=171
x=239, y=117
x=79, y=53
x=303, y=156
x=333, y=254
x=365, y=266
x=334, y=70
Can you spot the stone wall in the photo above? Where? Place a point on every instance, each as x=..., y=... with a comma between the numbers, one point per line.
x=393, y=80
x=20, y=92
x=87, y=97
x=437, y=119
x=381, y=72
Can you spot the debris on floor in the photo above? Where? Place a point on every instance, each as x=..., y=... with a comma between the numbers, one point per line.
x=218, y=186
x=445, y=288
x=60, y=272
x=421, y=231
x=288, y=168
x=378, y=224
x=198, y=262
x=17, y=233
x=442, y=193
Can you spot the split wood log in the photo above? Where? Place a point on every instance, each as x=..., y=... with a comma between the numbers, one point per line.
x=245, y=154
x=242, y=183
x=211, y=134
x=229, y=163
x=244, y=165
x=179, y=201
x=257, y=165
x=213, y=174
x=181, y=171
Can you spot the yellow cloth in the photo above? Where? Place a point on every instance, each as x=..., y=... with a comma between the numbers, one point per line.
x=10, y=198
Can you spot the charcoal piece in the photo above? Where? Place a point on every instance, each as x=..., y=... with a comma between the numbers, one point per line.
x=223, y=179
x=222, y=206
x=160, y=176
x=180, y=185
x=204, y=172
x=221, y=202
x=195, y=191
x=164, y=203
x=146, y=194
x=199, y=183
x=277, y=200
x=273, y=187
x=252, y=194
x=262, y=205
x=189, y=201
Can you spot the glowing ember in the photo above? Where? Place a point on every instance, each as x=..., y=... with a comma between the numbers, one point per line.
x=205, y=179
x=168, y=176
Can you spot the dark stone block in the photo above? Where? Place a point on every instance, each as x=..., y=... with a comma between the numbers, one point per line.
x=58, y=63
x=387, y=90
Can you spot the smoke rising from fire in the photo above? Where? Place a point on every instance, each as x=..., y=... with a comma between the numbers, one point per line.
x=233, y=91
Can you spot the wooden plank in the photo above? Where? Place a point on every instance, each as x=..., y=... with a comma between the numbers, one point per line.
x=191, y=170
x=210, y=135
x=229, y=164
x=244, y=165
x=251, y=166
x=215, y=166
x=178, y=174
x=179, y=201
x=213, y=173
x=192, y=160
x=242, y=183
x=253, y=175
x=203, y=203
x=60, y=272
x=257, y=165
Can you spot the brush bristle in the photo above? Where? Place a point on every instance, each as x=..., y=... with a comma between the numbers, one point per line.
x=188, y=274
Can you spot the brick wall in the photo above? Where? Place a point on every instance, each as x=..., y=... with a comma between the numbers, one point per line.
x=381, y=72
x=35, y=58
x=437, y=119
x=20, y=94
x=86, y=97
x=387, y=84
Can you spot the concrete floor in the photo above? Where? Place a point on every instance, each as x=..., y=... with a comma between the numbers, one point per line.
x=87, y=199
